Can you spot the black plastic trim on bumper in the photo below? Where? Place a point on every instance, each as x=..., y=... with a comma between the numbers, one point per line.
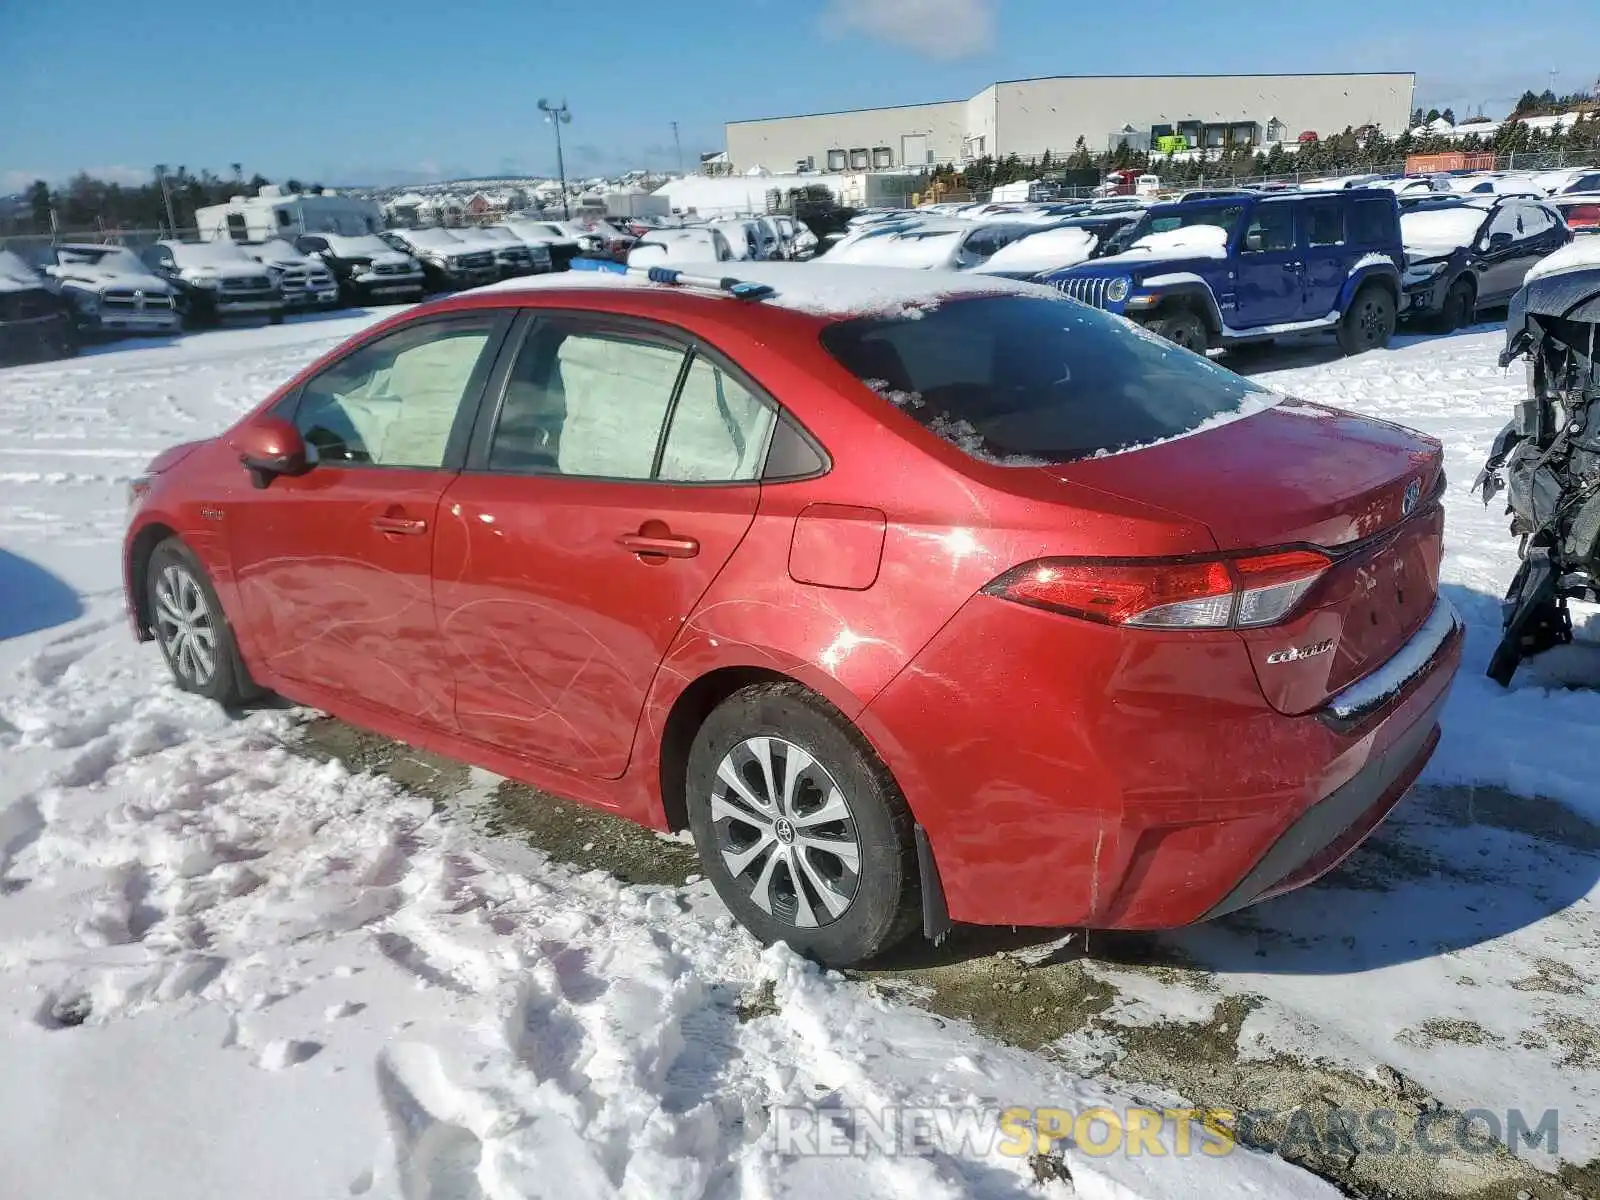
x=1329, y=818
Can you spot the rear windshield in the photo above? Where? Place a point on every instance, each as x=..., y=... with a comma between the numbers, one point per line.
x=1022, y=379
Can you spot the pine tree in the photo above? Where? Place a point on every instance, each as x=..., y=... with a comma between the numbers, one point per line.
x=1449, y=115
x=39, y=205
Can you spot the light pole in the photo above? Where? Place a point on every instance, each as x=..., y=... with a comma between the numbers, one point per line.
x=559, y=115
x=166, y=195
x=678, y=145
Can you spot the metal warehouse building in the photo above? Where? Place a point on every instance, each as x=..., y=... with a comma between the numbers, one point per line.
x=1029, y=116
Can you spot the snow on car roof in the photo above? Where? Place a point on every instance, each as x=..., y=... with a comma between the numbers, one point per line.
x=820, y=289
x=440, y=238
x=208, y=253
x=1440, y=230
x=1063, y=247
x=1574, y=256
x=362, y=243
x=15, y=274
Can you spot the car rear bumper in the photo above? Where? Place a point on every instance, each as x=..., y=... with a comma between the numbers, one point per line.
x=1405, y=697
x=1139, y=780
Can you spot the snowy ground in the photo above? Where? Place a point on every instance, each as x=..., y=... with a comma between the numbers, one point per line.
x=228, y=969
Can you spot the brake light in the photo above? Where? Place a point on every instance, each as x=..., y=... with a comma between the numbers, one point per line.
x=1238, y=592
x=1583, y=216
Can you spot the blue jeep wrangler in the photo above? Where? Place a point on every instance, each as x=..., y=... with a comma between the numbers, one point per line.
x=1242, y=269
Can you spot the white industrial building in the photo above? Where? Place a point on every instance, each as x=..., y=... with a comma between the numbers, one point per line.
x=1029, y=116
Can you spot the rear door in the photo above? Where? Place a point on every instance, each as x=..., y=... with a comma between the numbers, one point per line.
x=1270, y=270
x=613, y=479
x=333, y=566
x=1326, y=253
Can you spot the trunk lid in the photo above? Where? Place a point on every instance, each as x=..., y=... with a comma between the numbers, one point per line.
x=1364, y=491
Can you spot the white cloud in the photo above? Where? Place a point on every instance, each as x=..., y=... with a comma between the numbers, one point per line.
x=935, y=28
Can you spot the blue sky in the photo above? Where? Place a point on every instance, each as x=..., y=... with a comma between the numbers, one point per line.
x=403, y=90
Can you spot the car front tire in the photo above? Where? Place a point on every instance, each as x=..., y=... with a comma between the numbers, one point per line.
x=1369, y=323
x=1182, y=328
x=1458, y=305
x=801, y=828
x=189, y=625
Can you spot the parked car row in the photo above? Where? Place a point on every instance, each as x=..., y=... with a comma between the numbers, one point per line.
x=764, y=238
x=1229, y=267
x=173, y=284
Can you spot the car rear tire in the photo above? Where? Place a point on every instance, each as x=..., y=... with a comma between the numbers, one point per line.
x=1458, y=307
x=800, y=826
x=190, y=627
x=1369, y=323
x=1182, y=328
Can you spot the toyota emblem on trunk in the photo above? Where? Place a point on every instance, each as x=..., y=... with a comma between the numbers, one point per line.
x=1408, y=503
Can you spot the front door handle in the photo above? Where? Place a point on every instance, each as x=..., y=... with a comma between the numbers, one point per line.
x=667, y=545
x=401, y=525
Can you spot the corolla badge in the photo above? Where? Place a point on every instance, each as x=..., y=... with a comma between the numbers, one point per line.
x=1296, y=653
x=1408, y=502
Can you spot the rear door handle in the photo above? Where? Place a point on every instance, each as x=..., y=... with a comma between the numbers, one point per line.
x=666, y=545
x=402, y=525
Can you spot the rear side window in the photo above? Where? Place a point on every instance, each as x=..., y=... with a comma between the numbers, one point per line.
x=1324, y=223
x=585, y=403
x=1021, y=379
x=719, y=429
x=1372, y=223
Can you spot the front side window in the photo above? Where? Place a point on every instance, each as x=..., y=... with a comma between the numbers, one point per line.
x=1024, y=379
x=719, y=429
x=395, y=402
x=587, y=403
x=1271, y=229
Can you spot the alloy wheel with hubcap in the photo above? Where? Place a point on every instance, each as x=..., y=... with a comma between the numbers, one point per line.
x=786, y=832
x=184, y=625
x=186, y=619
x=801, y=827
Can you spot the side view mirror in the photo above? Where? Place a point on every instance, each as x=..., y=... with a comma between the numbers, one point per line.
x=269, y=447
x=1499, y=241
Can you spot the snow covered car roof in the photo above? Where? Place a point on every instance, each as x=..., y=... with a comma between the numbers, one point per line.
x=16, y=275
x=1441, y=230
x=209, y=254
x=364, y=243
x=820, y=289
x=1044, y=251
x=1582, y=254
x=439, y=239
x=275, y=250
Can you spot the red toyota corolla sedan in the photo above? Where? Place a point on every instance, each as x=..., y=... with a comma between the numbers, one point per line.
x=917, y=598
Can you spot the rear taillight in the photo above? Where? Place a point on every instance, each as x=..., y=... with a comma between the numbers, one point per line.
x=1583, y=216
x=1237, y=592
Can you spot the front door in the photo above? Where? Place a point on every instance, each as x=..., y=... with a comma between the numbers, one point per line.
x=1505, y=255
x=1269, y=268
x=618, y=478
x=334, y=566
